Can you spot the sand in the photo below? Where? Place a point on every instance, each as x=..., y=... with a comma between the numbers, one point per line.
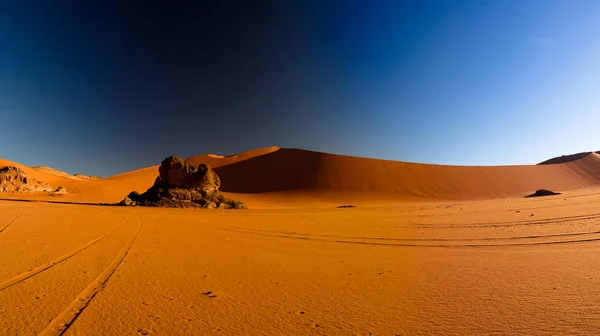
x=448, y=259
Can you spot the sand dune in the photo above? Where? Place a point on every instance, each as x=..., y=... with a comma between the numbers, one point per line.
x=286, y=175
x=115, y=188
x=293, y=264
x=567, y=158
x=299, y=170
x=221, y=160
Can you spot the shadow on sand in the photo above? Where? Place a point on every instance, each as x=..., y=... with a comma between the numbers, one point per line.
x=57, y=202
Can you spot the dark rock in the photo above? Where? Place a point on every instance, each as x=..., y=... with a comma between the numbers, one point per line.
x=179, y=193
x=543, y=192
x=175, y=172
x=181, y=184
x=135, y=196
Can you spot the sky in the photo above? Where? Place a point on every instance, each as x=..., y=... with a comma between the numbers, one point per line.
x=104, y=87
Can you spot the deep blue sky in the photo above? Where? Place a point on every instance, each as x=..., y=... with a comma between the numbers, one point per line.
x=105, y=87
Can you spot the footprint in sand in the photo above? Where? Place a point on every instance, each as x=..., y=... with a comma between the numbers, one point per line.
x=210, y=294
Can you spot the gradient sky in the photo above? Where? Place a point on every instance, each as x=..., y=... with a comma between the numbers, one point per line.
x=105, y=87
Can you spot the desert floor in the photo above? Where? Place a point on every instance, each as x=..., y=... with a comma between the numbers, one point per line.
x=509, y=266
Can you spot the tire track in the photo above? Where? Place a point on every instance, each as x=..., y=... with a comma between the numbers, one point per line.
x=10, y=222
x=29, y=273
x=556, y=242
x=422, y=239
x=61, y=323
x=554, y=220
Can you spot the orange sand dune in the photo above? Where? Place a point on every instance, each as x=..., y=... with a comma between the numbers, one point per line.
x=278, y=175
x=567, y=158
x=290, y=266
x=219, y=160
x=299, y=170
x=115, y=188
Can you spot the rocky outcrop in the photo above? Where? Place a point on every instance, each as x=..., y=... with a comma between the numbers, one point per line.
x=182, y=184
x=177, y=173
x=13, y=179
x=61, y=191
x=85, y=177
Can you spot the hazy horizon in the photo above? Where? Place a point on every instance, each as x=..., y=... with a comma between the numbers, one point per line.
x=104, y=88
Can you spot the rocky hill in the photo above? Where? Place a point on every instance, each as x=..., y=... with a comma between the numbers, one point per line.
x=13, y=179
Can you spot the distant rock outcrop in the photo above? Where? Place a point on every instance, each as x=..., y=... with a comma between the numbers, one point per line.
x=85, y=177
x=543, y=192
x=55, y=172
x=13, y=179
x=61, y=191
x=182, y=184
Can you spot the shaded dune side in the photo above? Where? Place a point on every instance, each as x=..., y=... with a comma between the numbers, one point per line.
x=288, y=170
x=114, y=188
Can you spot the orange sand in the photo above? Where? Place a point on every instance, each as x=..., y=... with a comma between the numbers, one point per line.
x=430, y=249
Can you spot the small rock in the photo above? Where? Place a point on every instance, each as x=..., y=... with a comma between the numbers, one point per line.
x=543, y=192
x=61, y=191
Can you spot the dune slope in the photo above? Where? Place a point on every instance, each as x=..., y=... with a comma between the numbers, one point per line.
x=299, y=170
x=275, y=174
x=567, y=158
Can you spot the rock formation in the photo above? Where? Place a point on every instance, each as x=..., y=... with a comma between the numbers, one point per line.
x=13, y=179
x=182, y=184
x=60, y=191
x=85, y=177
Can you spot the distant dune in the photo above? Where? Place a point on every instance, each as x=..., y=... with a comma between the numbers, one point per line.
x=567, y=158
x=282, y=175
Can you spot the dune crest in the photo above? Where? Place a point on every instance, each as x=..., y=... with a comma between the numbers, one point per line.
x=219, y=160
x=297, y=175
x=317, y=172
x=567, y=158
